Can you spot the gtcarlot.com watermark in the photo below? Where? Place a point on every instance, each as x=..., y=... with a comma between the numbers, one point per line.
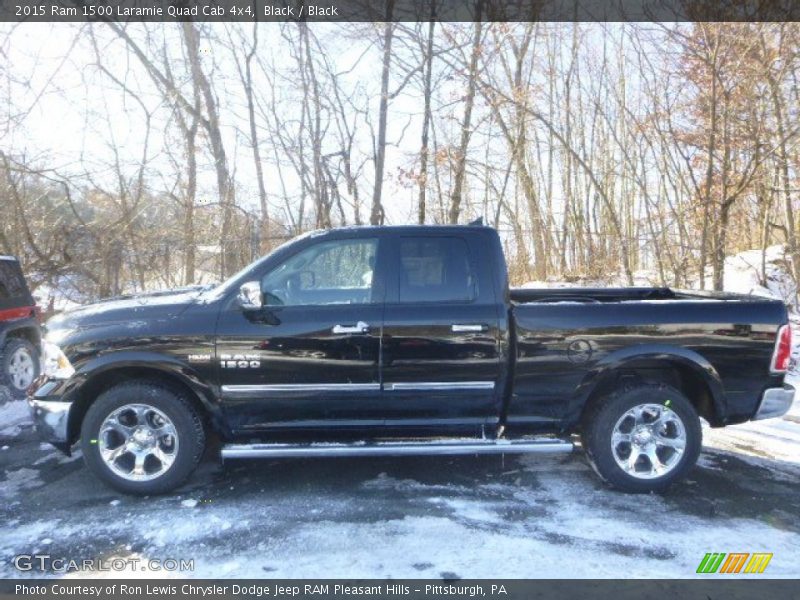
x=45, y=563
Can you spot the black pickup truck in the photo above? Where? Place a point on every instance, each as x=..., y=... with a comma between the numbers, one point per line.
x=405, y=341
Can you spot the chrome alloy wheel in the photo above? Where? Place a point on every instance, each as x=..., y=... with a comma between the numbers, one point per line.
x=648, y=441
x=21, y=369
x=138, y=442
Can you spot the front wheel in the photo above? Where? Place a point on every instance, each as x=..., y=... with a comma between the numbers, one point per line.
x=142, y=438
x=642, y=438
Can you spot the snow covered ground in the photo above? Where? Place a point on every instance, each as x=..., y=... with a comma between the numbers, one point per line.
x=14, y=415
x=443, y=517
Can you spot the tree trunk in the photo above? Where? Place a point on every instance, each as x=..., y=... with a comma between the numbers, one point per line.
x=707, y=201
x=720, y=245
x=461, y=159
x=254, y=141
x=228, y=260
x=426, y=121
x=377, y=214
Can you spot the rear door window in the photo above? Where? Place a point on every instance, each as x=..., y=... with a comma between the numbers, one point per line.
x=436, y=269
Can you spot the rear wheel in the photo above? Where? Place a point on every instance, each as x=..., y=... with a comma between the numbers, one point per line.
x=142, y=438
x=642, y=438
x=19, y=366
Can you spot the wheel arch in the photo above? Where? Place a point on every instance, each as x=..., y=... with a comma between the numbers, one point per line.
x=172, y=376
x=27, y=329
x=679, y=367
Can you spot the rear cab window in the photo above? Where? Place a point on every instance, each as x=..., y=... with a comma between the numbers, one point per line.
x=436, y=269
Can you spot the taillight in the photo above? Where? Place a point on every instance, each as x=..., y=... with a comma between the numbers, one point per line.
x=783, y=350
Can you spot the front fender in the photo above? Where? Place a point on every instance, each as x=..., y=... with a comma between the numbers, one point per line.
x=132, y=359
x=676, y=355
x=78, y=389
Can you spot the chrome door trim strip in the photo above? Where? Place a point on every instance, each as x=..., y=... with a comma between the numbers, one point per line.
x=430, y=386
x=360, y=387
x=302, y=387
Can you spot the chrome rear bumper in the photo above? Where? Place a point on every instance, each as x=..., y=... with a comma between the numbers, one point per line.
x=775, y=403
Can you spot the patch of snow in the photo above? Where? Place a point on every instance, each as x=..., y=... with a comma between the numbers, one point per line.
x=58, y=456
x=471, y=510
x=384, y=482
x=793, y=376
x=18, y=481
x=775, y=439
x=56, y=298
x=12, y=415
x=743, y=274
x=190, y=503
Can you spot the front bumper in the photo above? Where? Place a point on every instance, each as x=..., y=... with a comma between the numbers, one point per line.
x=51, y=418
x=775, y=403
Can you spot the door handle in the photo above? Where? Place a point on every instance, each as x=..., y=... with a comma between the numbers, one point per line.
x=359, y=327
x=469, y=328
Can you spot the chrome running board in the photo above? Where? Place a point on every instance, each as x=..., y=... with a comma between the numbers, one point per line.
x=415, y=448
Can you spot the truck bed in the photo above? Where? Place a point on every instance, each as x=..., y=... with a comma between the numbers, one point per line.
x=566, y=337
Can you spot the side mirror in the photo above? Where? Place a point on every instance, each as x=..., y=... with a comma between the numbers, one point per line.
x=250, y=297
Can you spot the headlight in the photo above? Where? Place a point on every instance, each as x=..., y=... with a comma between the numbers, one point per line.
x=55, y=364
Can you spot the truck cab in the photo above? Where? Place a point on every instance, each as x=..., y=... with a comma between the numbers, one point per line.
x=367, y=327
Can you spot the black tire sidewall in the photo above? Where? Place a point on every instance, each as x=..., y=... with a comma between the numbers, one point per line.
x=601, y=422
x=185, y=419
x=9, y=348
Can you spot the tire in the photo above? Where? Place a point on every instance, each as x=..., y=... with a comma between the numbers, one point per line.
x=148, y=420
x=19, y=366
x=666, y=419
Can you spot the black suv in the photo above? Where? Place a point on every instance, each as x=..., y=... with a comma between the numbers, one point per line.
x=20, y=337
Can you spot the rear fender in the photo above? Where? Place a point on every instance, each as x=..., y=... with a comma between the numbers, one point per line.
x=674, y=355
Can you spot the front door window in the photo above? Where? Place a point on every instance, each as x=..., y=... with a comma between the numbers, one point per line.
x=334, y=272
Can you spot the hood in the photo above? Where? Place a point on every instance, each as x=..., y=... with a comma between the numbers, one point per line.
x=141, y=307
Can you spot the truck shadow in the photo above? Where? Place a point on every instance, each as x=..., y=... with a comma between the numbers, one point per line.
x=723, y=485
x=490, y=491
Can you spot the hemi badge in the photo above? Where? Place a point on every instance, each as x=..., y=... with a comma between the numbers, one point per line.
x=199, y=358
